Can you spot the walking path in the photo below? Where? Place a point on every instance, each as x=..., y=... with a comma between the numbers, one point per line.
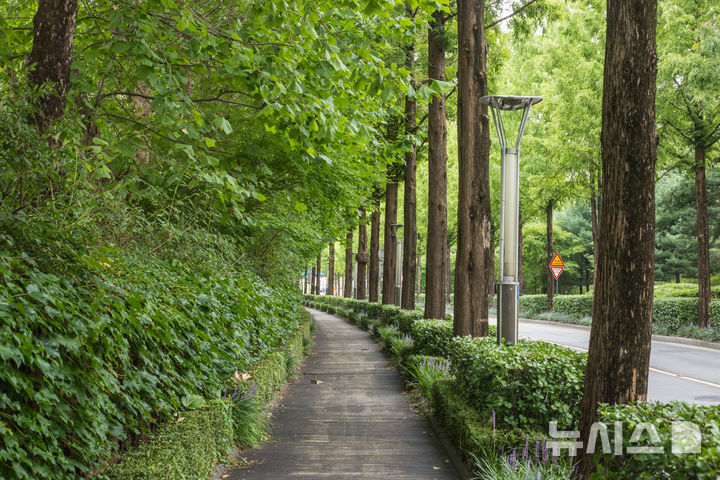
x=346, y=418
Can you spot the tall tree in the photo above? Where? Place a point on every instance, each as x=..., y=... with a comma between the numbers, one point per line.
x=390, y=238
x=474, y=248
x=619, y=352
x=362, y=258
x=51, y=55
x=409, y=264
x=435, y=264
x=347, y=284
x=331, y=270
x=374, y=268
x=689, y=91
x=313, y=281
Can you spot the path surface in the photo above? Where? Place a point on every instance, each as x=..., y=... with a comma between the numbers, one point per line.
x=677, y=372
x=356, y=424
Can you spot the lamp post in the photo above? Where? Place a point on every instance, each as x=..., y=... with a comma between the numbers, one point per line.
x=398, y=263
x=509, y=210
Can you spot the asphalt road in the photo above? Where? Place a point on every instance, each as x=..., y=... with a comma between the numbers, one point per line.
x=677, y=372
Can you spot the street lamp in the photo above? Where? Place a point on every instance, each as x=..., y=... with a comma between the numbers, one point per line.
x=507, y=316
x=398, y=264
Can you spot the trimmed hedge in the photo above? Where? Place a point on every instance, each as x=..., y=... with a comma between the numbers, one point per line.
x=704, y=465
x=532, y=304
x=527, y=385
x=471, y=432
x=190, y=447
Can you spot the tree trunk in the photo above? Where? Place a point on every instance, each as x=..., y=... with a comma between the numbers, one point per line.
x=362, y=258
x=317, y=277
x=390, y=241
x=677, y=277
x=619, y=352
x=51, y=55
x=347, y=286
x=331, y=271
x=473, y=243
x=313, y=282
x=374, y=270
x=409, y=199
x=436, y=268
x=549, y=278
x=418, y=277
x=594, y=226
x=703, y=238
x=448, y=275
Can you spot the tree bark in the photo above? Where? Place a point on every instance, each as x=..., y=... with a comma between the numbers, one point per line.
x=317, y=275
x=390, y=242
x=409, y=264
x=435, y=263
x=51, y=55
x=549, y=278
x=703, y=238
x=313, y=282
x=619, y=352
x=448, y=274
x=473, y=243
x=347, y=286
x=362, y=258
x=594, y=226
x=331, y=271
x=418, y=278
x=374, y=270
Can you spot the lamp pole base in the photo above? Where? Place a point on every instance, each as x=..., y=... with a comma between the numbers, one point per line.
x=507, y=317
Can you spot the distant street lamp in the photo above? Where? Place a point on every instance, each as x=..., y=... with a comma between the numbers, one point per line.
x=398, y=263
x=507, y=315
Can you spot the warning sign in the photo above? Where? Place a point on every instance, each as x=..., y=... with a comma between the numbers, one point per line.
x=556, y=266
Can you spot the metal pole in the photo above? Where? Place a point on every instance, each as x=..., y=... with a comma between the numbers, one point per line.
x=507, y=316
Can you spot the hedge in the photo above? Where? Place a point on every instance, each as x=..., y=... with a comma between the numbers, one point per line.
x=468, y=429
x=669, y=313
x=701, y=466
x=527, y=385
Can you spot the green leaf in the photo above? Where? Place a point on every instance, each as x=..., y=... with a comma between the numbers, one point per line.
x=300, y=207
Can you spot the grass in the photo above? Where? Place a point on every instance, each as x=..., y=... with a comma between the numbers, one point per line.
x=524, y=464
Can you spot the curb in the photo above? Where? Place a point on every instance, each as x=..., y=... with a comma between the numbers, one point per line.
x=452, y=452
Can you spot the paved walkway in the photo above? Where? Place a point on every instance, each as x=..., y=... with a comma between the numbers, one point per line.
x=347, y=418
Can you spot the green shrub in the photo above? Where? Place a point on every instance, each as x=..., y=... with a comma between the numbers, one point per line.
x=406, y=318
x=702, y=465
x=532, y=304
x=190, y=447
x=432, y=337
x=468, y=429
x=683, y=290
x=270, y=374
x=389, y=314
x=527, y=385
x=577, y=306
x=373, y=310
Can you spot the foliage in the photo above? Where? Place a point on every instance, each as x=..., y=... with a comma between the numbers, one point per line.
x=525, y=465
x=432, y=337
x=532, y=304
x=100, y=344
x=670, y=313
x=704, y=464
x=425, y=370
x=526, y=385
x=468, y=429
x=188, y=447
x=682, y=290
x=578, y=306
